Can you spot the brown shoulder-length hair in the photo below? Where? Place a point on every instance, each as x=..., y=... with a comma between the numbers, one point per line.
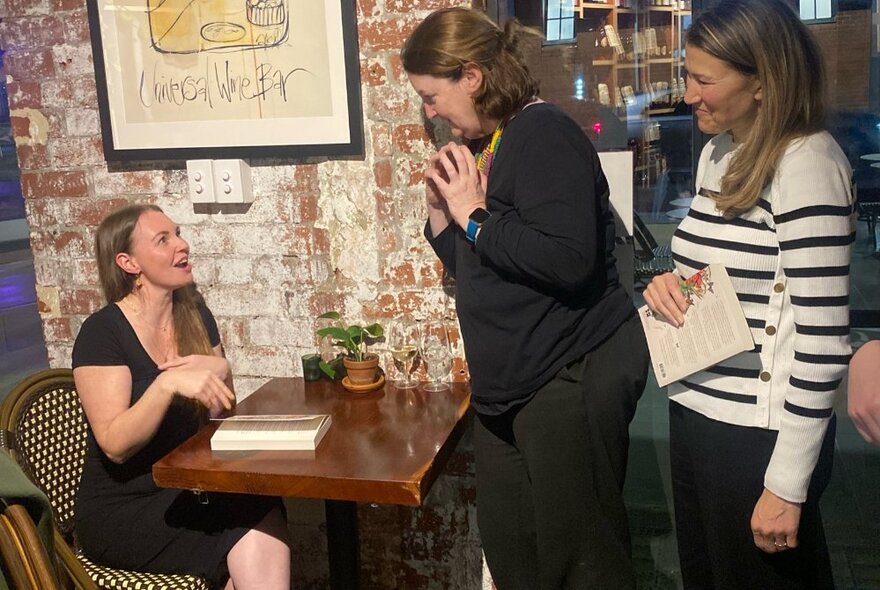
x=114, y=236
x=450, y=38
x=766, y=39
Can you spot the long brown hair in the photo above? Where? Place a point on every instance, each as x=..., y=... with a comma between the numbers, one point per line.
x=114, y=236
x=450, y=38
x=766, y=39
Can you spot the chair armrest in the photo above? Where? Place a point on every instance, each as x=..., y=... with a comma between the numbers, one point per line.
x=70, y=566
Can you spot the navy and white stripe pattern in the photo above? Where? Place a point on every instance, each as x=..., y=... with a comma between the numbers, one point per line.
x=788, y=258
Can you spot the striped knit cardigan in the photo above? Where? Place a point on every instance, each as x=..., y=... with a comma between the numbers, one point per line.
x=788, y=258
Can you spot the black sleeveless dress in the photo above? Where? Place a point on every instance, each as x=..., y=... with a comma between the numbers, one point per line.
x=123, y=519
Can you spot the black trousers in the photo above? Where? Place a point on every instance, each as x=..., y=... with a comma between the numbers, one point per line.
x=550, y=474
x=717, y=478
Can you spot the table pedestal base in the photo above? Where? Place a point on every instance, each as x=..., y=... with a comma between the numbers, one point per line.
x=343, y=545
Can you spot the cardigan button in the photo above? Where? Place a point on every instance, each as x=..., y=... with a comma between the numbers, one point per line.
x=779, y=287
x=765, y=376
x=770, y=330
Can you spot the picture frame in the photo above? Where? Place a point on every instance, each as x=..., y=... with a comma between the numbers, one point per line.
x=207, y=79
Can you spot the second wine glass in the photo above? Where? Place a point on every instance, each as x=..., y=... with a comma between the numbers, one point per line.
x=436, y=352
x=403, y=339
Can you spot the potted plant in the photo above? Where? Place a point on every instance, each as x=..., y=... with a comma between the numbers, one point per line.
x=360, y=365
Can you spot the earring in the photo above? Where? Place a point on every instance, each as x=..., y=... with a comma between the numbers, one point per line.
x=137, y=281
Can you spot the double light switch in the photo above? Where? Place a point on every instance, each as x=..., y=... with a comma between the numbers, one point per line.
x=219, y=181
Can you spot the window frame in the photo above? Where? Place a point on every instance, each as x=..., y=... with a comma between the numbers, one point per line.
x=815, y=21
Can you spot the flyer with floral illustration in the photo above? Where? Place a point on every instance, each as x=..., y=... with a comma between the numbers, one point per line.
x=714, y=329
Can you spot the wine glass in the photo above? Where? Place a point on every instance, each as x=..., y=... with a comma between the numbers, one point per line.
x=403, y=342
x=436, y=352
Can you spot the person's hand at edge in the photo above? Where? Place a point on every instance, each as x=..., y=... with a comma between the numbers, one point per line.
x=863, y=397
x=775, y=523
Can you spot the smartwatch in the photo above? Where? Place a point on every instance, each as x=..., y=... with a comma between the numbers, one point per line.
x=476, y=219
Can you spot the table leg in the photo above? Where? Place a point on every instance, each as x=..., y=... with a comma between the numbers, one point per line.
x=343, y=545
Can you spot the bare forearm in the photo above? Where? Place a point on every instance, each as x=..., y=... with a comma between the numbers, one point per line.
x=438, y=220
x=131, y=430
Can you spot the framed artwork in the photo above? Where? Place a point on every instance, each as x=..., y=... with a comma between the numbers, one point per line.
x=192, y=79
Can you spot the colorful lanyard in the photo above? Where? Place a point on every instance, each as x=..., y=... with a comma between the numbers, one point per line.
x=485, y=158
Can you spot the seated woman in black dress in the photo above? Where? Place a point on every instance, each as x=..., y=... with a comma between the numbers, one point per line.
x=149, y=369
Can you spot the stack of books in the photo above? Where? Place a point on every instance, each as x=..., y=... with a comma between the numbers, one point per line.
x=284, y=432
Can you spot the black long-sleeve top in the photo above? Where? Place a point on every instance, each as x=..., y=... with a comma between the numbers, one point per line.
x=539, y=289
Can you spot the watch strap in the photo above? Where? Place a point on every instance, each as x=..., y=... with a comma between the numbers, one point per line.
x=471, y=231
x=475, y=220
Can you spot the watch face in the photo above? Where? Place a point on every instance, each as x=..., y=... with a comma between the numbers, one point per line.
x=479, y=215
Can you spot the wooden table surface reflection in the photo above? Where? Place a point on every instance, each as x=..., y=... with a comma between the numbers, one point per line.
x=387, y=447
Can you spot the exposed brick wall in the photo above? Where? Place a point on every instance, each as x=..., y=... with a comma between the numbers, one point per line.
x=846, y=46
x=320, y=235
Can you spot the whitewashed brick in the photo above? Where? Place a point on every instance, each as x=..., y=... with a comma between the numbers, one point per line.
x=236, y=271
x=278, y=361
x=276, y=331
x=208, y=240
x=59, y=354
x=254, y=300
x=73, y=60
x=83, y=122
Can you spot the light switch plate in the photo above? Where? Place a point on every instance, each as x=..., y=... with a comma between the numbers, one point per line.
x=232, y=182
x=200, y=180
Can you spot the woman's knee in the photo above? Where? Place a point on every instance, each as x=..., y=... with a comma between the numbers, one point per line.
x=275, y=525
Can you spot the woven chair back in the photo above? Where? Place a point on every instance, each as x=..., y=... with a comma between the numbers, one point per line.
x=47, y=433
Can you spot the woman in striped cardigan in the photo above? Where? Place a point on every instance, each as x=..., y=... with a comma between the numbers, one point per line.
x=752, y=437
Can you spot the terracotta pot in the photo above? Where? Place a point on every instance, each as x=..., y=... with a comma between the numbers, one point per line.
x=362, y=372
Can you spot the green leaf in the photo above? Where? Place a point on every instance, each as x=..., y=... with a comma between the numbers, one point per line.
x=330, y=315
x=334, y=332
x=374, y=330
x=334, y=368
x=328, y=369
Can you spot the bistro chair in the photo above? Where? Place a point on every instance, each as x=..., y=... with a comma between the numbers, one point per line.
x=43, y=426
x=650, y=259
x=25, y=559
x=868, y=210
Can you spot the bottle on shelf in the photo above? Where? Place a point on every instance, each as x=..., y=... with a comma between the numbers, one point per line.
x=629, y=95
x=603, y=49
x=626, y=39
x=651, y=42
x=675, y=93
x=604, y=95
x=618, y=100
x=639, y=44
x=613, y=40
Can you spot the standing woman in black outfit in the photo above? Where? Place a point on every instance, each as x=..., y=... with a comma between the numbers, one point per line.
x=557, y=357
x=149, y=368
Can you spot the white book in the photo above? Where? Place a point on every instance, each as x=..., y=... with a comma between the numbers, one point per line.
x=714, y=329
x=285, y=432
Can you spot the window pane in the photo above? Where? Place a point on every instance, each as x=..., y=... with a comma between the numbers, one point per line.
x=808, y=9
x=566, y=9
x=552, y=9
x=823, y=8
x=566, y=29
x=552, y=30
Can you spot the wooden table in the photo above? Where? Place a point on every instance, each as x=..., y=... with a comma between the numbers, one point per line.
x=384, y=447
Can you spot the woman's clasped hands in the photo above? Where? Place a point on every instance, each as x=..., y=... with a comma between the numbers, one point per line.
x=200, y=378
x=205, y=362
x=454, y=182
